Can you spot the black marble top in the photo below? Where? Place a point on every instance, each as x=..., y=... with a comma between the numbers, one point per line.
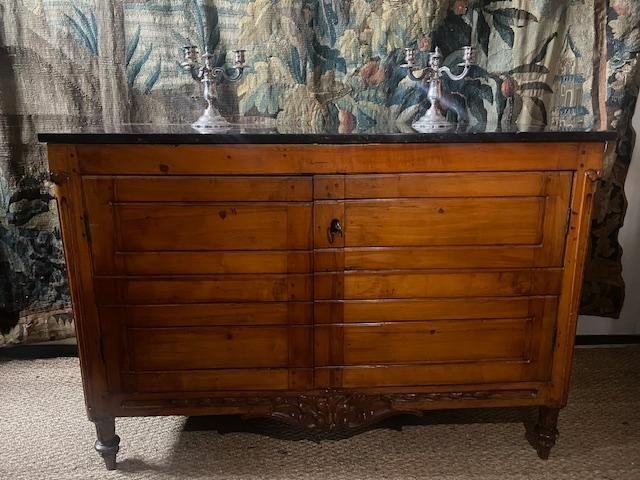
x=263, y=133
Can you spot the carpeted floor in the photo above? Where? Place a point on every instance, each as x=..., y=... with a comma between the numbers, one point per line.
x=44, y=435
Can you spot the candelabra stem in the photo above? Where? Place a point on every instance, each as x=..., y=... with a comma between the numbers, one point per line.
x=211, y=118
x=434, y=119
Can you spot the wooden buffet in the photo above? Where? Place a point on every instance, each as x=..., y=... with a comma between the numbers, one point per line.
x=322, y=282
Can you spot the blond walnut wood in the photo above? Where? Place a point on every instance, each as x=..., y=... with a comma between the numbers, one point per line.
x=453, y=341
x=326, y=285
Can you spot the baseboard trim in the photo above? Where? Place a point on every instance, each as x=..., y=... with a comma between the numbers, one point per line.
x=24, y=352
x=607, y=339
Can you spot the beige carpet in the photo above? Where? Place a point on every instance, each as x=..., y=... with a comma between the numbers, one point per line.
x=44, y=435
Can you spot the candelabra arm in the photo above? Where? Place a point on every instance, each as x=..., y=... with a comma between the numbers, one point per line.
x=415, y=78
x=221, y=74
x=192, y=68
x=453, y=77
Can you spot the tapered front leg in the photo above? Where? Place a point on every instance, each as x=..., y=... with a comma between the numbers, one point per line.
x=546, y=431
x=108, y=443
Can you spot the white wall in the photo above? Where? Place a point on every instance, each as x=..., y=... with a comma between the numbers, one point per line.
x=629, y=321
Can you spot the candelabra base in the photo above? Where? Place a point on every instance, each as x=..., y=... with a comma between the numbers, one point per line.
x=211, y=121
x=432, y=121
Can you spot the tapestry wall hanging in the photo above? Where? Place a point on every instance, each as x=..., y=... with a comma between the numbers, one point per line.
x=312, y=66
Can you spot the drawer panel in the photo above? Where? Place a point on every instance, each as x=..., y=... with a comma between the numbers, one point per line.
x=450, y=221
x=189, y=263
x=505, y=337
x=225, y=380
x=213, y=314
x=417, y=310
x=199, y=225
x=219, y=288
x=443, y=185
x=459, y=220
x=226, y=226
x=326, y=159
x=434, y=284
x=185, y=343
x=431, y=185
x=197, y=348
x=213, y=189
x=422, y=375
x=437, y=257
x=423, y=342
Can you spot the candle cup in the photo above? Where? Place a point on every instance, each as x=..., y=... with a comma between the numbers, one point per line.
x=469, y=55
x=190, y=53
x=239, y=57
x=435, y=59
x=409, y=56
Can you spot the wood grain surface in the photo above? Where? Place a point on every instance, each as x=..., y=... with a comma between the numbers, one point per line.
x=222, y=278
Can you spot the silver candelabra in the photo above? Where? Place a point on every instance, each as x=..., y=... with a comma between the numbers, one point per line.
x=211, y=76
x=435, y=120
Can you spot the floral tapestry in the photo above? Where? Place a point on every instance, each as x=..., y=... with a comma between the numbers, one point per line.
x=329, y=66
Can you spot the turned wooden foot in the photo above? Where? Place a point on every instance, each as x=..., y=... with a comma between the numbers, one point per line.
x=108, y=443
x=546, y=431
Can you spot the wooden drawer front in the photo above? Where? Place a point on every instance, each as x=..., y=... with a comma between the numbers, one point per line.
x=504, y=341
x=227, y=226
x=450, y=221
x=415, y=342
x=192, y=344
x=221, y=380
x=198, y=348
x=436, y=284
x=221, y=288
x=199, y=225
x=442, y=220
x=214, y=314
x=199, y=263
x=214, y=189
x=422, y=375
x=421, y=309
x=203, y=283
x=323, y=159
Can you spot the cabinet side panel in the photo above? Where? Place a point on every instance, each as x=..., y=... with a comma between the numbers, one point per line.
x=590, y=159
x=64, y=167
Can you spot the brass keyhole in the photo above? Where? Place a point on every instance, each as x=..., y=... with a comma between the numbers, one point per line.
x=335, y=228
